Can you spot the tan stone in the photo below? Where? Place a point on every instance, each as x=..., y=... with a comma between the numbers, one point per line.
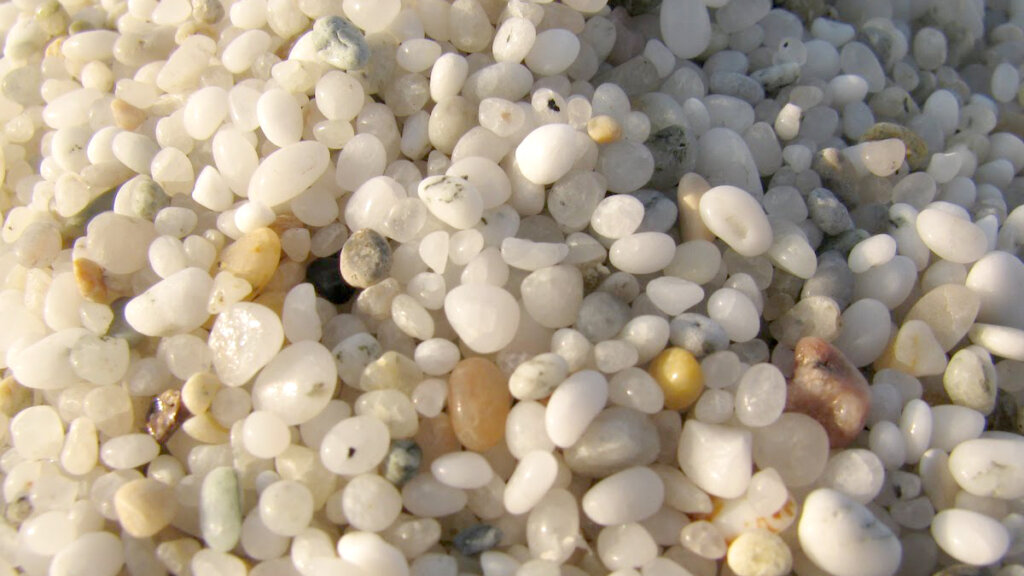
x=478, y=403
x=828, y=388
x=691, y=227
x=126, y=116
x=253, y=257
x=603, y=129
x=144, y=507
x=89, y=278
x=198, y=391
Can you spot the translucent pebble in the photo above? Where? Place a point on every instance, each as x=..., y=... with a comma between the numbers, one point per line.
x=286, y=507
x=465, y=470
x=760, y=395
x=736, y=314
x=625, y=546
x=298, y=383
x=631, y=495
x=355, y=445
x=635, y=388
x=427, y=498
x=102, y=552
x=735, y=216
x=537, y=377
x=988, y=466
x=204, y=111
x=970, y=537
x=129, y=451
x=37, y=433
x=686, y=27
x=485, y=317
x=856, y=538
x=513, y=40
x=642, y=253
x=952, y=424
x=529, y=255
x=436, y=356
x=874, y=251
x=265, y=435
x=617, y=216
x=626, y=165
x=552, y=52
x=371, y=503
x=452, y=200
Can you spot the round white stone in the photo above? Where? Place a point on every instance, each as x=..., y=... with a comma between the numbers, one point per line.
x=685, y=27
x=355, y=445
x=298, y=383
x=452, y=200
x=531, y=480
x=371, y=503
x=642, y=253
x=717, y=458
x=244, y=339
x=466, y=470
x=990, y=467
x=288, y=172
x=736, y=313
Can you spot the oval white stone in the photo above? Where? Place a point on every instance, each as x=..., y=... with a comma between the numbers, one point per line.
x=288, y=172
x=642, y=253
x=465, y=470
x=970, y=537
x=298, y=383
x=735, y=216
x=547, y=153
x=174, y=305
x=844, y=538
x=951, y=238
x=990, y=467
x=685, y=27
x=355, y=445
x=531, y=480
x=631, y=495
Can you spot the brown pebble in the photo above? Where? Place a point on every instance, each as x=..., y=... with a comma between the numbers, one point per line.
x=478, y=403
x=253, y=257
x=165, y=415
x=828, y=388
x=126, y=116
x=89, y=278
x=436, y=438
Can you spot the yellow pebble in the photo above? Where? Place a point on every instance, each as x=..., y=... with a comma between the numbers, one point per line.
x=198, y=391
x=253, y=257
x=603, y=129
x=203, y=428
x=126, y=116
x=679, y=375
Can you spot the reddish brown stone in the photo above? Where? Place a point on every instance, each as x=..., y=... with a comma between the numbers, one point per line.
x=828, y=388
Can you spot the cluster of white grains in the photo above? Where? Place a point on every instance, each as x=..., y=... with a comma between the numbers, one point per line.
x=511, y=288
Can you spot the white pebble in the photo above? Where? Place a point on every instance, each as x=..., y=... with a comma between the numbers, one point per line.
x=465, y=470
x=574, y=405
x=631, y=495
x=530, y=481
x=735, y=216
x=970, y=537
x=844, y=538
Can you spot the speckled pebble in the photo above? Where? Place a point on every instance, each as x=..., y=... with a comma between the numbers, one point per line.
x=339, y=43
x=402, y=462
x=698, y=334
x=476, y=539
x=365, y=259
x=828, y=212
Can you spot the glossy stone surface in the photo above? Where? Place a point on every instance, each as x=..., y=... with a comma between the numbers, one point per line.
x=826, y=387
x=478, y=403
x=680, y=377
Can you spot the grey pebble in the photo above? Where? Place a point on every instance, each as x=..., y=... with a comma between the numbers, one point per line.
x=828, y=212
x=737, y=85
x=660, y=213
x=365, y=258
x=617, y=439
x=207, y=11
x=141, y=197
x=776, y=76
x=601, y=316
x=671, y=148
x=845, y=242
x=832, y=279
x=402, y=462
x=340, y=43
x=698, y=334
x=477, y=539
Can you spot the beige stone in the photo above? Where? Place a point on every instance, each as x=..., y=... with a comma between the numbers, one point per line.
x=144, y=507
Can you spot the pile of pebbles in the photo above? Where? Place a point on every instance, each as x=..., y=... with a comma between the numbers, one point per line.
x=523, y=288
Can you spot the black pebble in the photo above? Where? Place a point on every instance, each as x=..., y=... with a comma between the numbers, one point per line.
x=325, y=276
x=476, y=539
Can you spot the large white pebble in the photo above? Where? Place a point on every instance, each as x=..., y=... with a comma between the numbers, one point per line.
x=735, y=216
x=485, y=317
x=717, y=458
x=990, y=467
x=574, y=405
x=951, y=238
x=280, y=117
x=997, y=279
x=531, y=480
x=452, y=200
x=466, y=470
x=355, y=445
x=844, y=538
x=547, y=153
x=288, y=172
x=631, y=495
x=175, y=305
x=672, y=295
x=736, y=313
x=298, y=383
x=970, y=537
x=685, y=27
x=101, y=552
x=642, y=253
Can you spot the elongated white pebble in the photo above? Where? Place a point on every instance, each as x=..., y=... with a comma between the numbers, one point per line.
x=844, y=538
x=574, y=405
x=465, y=470
x=642, y=253
x=717, y=458
x=372, y=554
x=531, y=480
x=999, y=340
x=355, y=445
x=288, y=172
x=547, y=153
x=735, y=216
x=631, y=495
x=280, y=117
x=970, y=537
